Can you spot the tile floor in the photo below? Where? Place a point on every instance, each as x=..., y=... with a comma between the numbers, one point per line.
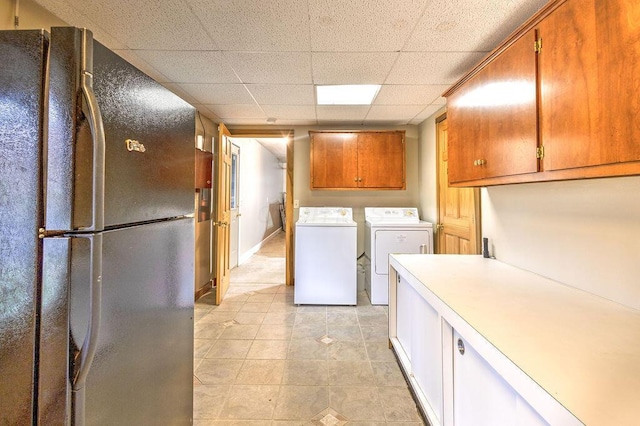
x=261, y=360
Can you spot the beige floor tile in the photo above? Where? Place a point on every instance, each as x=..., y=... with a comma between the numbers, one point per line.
x=308, y=331
x=306, y=372
x=282, y=307
x=274, y=332
x=249, y=317
x=349, y=332
x=261, y=298
x=240, y=331
x=398, y=404
x=347, y=351
x=388, y=374
x=215, y=316
x=226, y=306
x=379, y=351
x=208, y=330
x=373, y=319
x=251, y=402
x=356, y=403
x=342, y=318
x=208, y=401
x=201, y=347
x=318, y=309
x=200, y=312
x=377, y=333
x=218, y=371
x=310, y=318
x=350, y=373
x=301, y=402
x=229, y=349
x=229, y=422
x=261, y=372
x=268, y=349
x=280, y=318
x=308, y=349
x=255, y=307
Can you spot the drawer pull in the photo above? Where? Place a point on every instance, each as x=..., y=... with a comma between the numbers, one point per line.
x=461, y=346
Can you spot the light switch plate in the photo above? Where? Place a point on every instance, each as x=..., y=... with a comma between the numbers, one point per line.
x=296, y=204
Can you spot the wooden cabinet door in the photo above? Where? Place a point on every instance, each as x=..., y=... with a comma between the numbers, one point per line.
x=381, y=163
x=334, y=160
x=493, y=117
x=569, y=102
x=618, y=54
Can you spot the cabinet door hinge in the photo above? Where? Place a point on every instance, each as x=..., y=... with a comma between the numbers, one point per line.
x=540, y=152
x=537, y=45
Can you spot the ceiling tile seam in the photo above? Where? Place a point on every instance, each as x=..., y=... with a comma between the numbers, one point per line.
x=199, y=21
x=415, y=26
x=166, y=79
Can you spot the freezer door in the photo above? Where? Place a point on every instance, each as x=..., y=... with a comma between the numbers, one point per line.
x=142, y=372
x=22, y=98
x=149, y=141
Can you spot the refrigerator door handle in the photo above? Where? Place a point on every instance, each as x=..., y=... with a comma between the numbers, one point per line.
x=90, y=344
x=97, y=132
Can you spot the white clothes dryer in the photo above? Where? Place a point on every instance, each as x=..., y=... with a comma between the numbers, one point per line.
x=390, y=230
x=325, y=257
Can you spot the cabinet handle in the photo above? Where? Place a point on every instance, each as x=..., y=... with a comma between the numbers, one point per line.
x=461, y=346
x=479, y=162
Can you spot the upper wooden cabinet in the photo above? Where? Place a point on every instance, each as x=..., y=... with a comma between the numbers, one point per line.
x=357, y=160
x=586, y=73
x=492, y=118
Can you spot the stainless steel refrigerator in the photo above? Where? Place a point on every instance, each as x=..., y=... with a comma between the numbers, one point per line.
x=96, y=237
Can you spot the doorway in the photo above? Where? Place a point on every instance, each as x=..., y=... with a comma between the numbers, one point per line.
x=251, y=225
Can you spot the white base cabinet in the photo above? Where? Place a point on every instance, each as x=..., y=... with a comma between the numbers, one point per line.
x=458, y=377
x=481, y=396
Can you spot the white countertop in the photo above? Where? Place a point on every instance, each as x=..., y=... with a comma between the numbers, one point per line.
x=582, y=349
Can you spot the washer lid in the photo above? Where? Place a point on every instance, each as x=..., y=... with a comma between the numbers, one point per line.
x=391, y=215
x=337, y=216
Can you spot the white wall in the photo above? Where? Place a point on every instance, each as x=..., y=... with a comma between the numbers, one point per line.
x=260, y=183
x=583, y=233
x=428, y=178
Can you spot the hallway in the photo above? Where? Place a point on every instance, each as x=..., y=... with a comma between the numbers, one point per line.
x=260, y=360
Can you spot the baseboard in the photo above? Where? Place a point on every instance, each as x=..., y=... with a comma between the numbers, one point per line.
x=204, y=290
x=253, y=250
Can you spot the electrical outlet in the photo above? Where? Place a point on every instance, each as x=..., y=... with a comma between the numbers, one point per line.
x=296, y=204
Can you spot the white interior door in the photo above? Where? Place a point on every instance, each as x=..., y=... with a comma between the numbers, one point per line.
x=235, y=206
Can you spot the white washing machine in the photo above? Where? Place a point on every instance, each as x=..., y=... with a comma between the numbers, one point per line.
x=325, y=257
x=390, y=230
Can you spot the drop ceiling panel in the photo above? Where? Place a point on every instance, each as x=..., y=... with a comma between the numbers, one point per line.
x=204, y=110
x=180, y=92
x=228, y=112
x=142, y=24
x=351, y=67
x=78, y=18
x=341, y=113
x=283, y=94
x=401, y=113
x=382, y=25
x=218, y=94
x=459, y=25
x=409, y=94
x=294, y=112
x=432, y=67
x=134, y=59
x=271, y=67
x=426, y=113
x=273, y=25
x=190, y=66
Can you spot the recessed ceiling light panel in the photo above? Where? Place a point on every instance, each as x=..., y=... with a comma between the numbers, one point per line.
x=349, y=94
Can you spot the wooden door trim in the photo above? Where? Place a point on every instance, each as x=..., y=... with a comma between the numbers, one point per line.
x=476, y=197
x=288, y=206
